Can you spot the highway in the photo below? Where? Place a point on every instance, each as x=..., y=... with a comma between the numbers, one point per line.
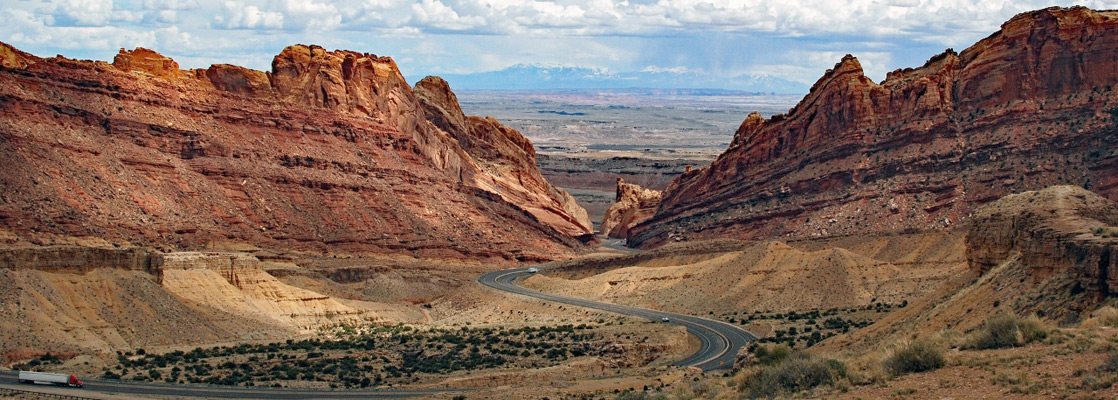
x=113, y=389
x=719, y=341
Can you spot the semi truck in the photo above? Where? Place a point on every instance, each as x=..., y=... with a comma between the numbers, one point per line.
x=48, y=378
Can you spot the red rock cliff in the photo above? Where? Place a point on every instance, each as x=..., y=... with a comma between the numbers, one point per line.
x=1030, y=106
x=329, y=152
x=507, y=158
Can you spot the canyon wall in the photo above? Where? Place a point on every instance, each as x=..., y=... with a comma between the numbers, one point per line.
x=1030, y=106
x=329, y=152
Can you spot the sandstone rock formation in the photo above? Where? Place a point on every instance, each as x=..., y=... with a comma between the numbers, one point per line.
x=507, y=156
x=1048, y=252
x=330, y=152
x=235, y=283
x=632, y=206
x=1061, y=228
x=1032, y=105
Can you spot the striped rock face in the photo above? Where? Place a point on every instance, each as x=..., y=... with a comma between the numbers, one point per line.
x=329, y=152
x=1033, y=105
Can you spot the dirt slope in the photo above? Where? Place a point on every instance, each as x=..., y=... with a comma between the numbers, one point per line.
x=773, y=276
x=1048, y=252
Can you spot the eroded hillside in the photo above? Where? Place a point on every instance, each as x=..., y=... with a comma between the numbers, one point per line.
x=329, y=152
x=1032, y=105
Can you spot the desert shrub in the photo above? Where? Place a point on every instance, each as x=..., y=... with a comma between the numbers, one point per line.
x=1111, y=362
x=1006, y=330
x=1032, y=329
x=794, y=374
x=913, y=357
x=642, y=395
x=1106, y=315
x=771, y=355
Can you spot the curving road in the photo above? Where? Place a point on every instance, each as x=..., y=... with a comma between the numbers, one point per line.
x=114, y=389
x=719, y=341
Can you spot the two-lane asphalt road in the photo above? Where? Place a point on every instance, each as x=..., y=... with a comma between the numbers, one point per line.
x=719, y=341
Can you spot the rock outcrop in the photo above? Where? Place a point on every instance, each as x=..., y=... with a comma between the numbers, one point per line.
x=507, y=156
x=330, y=152
x=1030, y=106
x=1048, y=252
x=81, y=259
x=1060, y=228
x=236, y=284
x=632, y=206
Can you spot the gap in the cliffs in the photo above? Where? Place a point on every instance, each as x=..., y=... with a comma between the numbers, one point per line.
x=587, y=139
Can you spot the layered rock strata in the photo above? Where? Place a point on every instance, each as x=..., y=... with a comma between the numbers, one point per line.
x=1061, y=228
x=329, y=152
x=1030, y=106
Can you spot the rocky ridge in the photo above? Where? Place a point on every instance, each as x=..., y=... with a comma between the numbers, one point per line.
x=1030, y=106
x=632, y=206
x=329, y=152
x=1048, y=252
x=1061, y=228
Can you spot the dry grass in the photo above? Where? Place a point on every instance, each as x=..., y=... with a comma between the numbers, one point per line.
x=1007, y=330
x=918, y=356
x=1104, y=316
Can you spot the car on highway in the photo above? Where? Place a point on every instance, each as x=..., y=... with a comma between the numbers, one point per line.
x=665, y=319
x=533, y=270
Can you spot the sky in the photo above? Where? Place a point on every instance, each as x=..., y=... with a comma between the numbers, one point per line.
x=790, y=39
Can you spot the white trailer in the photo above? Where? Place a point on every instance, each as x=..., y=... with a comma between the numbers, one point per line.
x=45, y=378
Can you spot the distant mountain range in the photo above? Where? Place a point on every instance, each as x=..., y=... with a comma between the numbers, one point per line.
x=523, y=76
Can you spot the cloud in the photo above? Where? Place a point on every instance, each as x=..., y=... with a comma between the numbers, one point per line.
x=83, y=12
x=435, y=14
x=170, y=5
x=673, y=70
x=792, y=39
x=238, y=15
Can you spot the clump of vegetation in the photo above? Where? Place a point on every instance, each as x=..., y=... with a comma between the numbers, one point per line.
x=918, y=356
x=779, y=371
x=797, y=373
x=45, y=360
x=1106, y=232
x=1007, y=330
x=641, y=395
x=1105, y=315
x=804, y=329
x=373, y=357
x=1111, y=362
x=771, y=355
x=1100, y=378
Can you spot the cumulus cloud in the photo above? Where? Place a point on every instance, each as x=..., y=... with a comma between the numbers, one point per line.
x=794, y=39
x=170, y=5
x=83, y=12
x=238, y=15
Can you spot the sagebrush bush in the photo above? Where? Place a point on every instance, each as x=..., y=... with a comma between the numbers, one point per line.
x=1106, y=315
x=795, y=373
x=1032, y=329
x=1111, y=362
x=1007, y=330
x=771, y=355
x=913, y=357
